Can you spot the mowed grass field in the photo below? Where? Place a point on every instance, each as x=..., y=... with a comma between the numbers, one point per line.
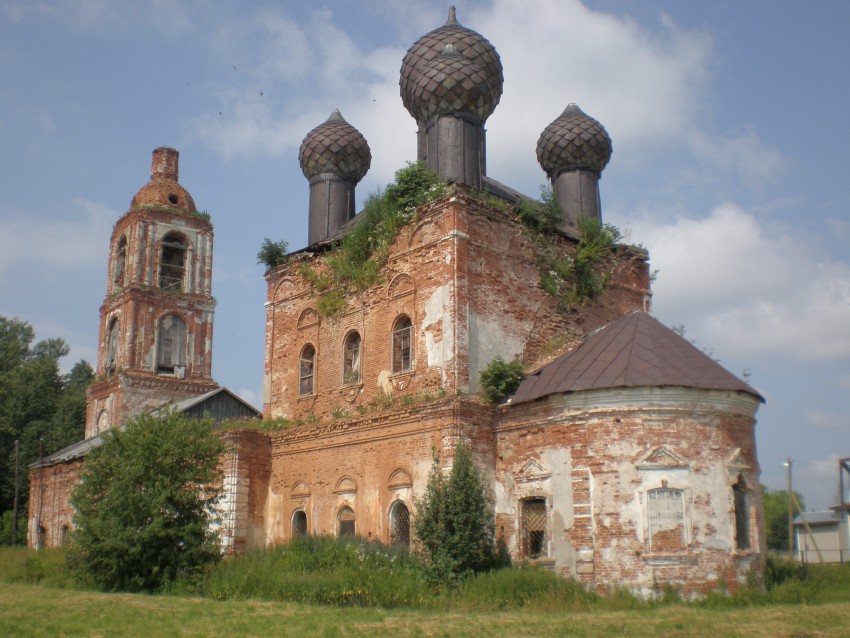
x=34, y=610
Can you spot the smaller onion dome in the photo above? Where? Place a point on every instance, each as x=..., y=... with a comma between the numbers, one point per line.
x=468, y=43
x=452, y=83
x=335, y=147
x=163, y=191
x=573, y=141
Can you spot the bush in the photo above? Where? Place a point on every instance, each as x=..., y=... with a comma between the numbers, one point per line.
x=499, y=380
x=454, y=521
x=272, y=254
x=145, y=502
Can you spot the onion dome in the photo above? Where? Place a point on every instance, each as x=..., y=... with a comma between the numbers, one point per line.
x=163, y=191
x=468, y=43
x=451, y=83
x=573, y=141
x=335, y=147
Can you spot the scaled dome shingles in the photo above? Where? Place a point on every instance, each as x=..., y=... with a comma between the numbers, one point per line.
x=335, y=147
x=573, y=141
x=452, y=83
x=468, y=43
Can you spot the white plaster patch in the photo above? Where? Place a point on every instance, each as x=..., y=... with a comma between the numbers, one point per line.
x=438, y=328
x=488, y=339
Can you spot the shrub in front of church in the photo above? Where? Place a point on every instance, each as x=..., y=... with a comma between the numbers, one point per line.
x=145, y=502
x=454, y=521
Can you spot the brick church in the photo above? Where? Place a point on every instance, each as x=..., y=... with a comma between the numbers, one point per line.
x=626, y=457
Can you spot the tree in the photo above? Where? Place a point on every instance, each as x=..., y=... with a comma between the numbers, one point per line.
x=499, y=380
x=145, y=504
x=454, y=520
x=776, y=516
x=37, y=404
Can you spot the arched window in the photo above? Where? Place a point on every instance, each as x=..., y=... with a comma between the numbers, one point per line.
x=299, y=524
x=172, y=262
x=346, y=523
x=666, y=518
x=351, y=358
x=112, y=334
x=307, y=371
x=119, y=264
x=534, y=527
x=63, y=534
x=401, y=346
x=171, y=346
x=741, y=493
x=399, y=525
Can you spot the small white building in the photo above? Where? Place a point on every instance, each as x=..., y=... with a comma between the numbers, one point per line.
x=823, y=537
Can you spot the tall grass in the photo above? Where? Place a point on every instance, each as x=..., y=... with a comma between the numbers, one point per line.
x=46, y=567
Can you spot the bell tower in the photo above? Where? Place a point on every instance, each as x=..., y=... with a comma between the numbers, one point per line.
x=156, y=321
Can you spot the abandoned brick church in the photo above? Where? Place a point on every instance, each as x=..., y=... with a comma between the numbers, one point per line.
x=625, y=458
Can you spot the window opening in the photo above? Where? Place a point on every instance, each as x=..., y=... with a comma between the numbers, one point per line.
x=63, y=535
x=102, y=421
x=351, y=359
x=742, y=514
x=111, y=347
x=306, y=370
x=172, y=262
x=400, y=525
x=402, y=332
x=119, y=267
x=171, y=346
x=346, y=522
x=299, y=524
x=666, y=512
x=534, y=527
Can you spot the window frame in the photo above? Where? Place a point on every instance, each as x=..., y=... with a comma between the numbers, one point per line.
x=113, y=334
x=171, y=275
x=295, y=528
x=741, y=508
x=352, y=358
x=346, y=522
x=397, y=518
x=302, y=377
x=179, y=339
x=119, y=264
x=541, y=541
x=401, y=344
x=657, y=512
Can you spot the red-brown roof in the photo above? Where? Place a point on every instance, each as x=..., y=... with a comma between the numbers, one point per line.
x=635, y=350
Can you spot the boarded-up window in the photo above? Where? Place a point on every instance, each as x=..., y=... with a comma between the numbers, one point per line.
x=172, y=262
x=111, y=347
x=534, y=527
x=666, y=516
x=400, y=525
x=307, y=368
x=742, y=514
x=299, y=524
x=402, y=332
x=351, y=358
x=171, y=346
x=346, y=523
x=119, y=265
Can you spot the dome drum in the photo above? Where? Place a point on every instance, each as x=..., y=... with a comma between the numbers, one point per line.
x=453, y=149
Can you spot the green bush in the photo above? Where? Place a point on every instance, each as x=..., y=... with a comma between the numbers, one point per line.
x=272, y=254
x=499, y=380
x=144, y=504
x=46, y=567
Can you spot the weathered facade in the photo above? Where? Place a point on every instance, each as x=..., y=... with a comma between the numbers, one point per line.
x=626, y=457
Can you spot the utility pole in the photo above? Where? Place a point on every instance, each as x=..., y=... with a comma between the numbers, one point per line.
x=790, y=511
x=17, y=489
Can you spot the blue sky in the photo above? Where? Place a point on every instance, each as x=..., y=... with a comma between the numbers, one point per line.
x=729, y=122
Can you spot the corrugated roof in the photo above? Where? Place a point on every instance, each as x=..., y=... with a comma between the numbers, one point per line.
x=185, y=404
x=817, y=518
x=74, y=451
x=635, y=350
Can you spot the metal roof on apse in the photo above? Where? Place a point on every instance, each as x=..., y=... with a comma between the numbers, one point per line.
x=633, y=351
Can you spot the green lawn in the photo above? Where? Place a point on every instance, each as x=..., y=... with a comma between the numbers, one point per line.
x=32, y=610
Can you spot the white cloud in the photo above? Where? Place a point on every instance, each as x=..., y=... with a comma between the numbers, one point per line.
x=70, y=242
x=826, y=420
x=746, y=287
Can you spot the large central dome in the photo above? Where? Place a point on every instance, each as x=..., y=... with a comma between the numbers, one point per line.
x=466, y=42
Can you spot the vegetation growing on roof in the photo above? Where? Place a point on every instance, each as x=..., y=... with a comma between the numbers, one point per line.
x=355, y=263
x=272, y=253
x=570, y=278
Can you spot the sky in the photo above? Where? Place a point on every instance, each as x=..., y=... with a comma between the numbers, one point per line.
x=729, y=121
